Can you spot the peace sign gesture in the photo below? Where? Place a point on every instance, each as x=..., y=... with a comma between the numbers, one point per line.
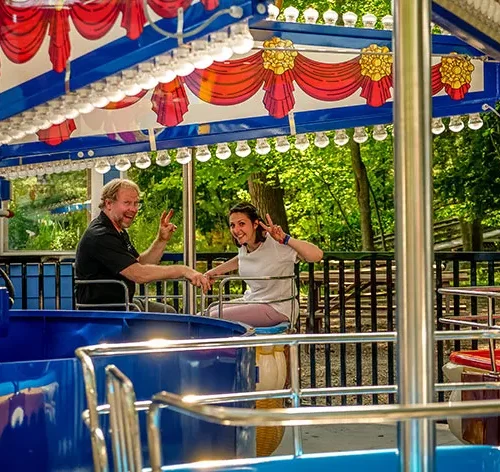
x=274, y=231
x=166, y=228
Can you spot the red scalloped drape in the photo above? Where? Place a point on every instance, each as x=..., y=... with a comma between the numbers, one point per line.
x=327, y=82
x=228, y=83
x=23, y=29
x=170, y=103
x=436, y=84
x=93, y=20
x=56, y=134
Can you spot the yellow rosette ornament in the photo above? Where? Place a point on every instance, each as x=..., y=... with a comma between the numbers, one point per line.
x=456, y=75
x=376, y=69
x=280, y=57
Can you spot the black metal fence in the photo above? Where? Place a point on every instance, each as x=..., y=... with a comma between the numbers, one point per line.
x=346, y=292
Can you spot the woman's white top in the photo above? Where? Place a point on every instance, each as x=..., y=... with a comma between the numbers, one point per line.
x=270, y=259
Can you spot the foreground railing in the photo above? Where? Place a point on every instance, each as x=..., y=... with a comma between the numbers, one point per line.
x=127, y=443
x=345, y=293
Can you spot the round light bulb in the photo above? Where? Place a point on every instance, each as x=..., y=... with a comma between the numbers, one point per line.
x=437, y=126
x=369, y=20
x=98, y=97
x=200, y=54
x=311, y=15
x=349, y=18
x=223, y=151
x=221, y=50
x=301, y=142
x=163, y=158
x=379, y=133
x=241, y=39
x=282, y=144
x=202, y=153
x=145, y=77
x=143, y=161
x=163, y=71
x=456, y=124
x=330, y=17
x=291, y=14
x=341, y=138
x=102, y=166
x=272, y=12
x=83, y=104
x=112, y=89
x=242, y=149
x=122, y=164
x=181, y=64
x=183, y=155
x=360, y=136
x=387, y=22
x=475, y=122
x=321, y=140
x=262, y=147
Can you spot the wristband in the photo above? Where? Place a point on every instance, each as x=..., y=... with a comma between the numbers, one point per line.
x=286, y=239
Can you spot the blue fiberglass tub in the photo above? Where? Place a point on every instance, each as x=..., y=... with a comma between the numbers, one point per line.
x=42, y=392
x=448, y=459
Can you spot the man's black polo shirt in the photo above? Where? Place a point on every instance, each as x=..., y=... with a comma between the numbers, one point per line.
x=103, y=253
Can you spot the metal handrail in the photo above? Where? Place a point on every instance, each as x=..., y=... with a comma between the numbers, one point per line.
x=488, y=292
x=230, y=278
x=125, y=304
x=85, y=355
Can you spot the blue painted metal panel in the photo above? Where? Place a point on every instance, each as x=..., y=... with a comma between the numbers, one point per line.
x=349, y=38
x=32, y=286
x=448, y=459
x=41, y=380
x=118, y=55
x=49, y=286
x=5, y=189
x=16, y=276
x=66, y=285
x=465, y=31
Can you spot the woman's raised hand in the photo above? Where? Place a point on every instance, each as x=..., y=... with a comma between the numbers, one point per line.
x=274, y=231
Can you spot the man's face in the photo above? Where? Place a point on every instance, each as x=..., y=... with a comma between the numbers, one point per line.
x=122, y=211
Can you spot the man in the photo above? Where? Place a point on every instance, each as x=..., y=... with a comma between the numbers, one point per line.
x=106, y=252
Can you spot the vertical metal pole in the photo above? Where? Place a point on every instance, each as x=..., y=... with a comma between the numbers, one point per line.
x=188, y=207
x=414, y=251
x=96, y=184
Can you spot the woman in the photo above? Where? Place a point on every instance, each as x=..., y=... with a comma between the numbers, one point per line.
x=264, y=250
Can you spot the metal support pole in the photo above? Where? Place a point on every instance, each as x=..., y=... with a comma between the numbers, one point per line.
x=188, y=207
x=414, y=287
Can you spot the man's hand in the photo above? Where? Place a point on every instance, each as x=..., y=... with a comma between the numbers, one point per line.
x=198, y=279
x=166, y=229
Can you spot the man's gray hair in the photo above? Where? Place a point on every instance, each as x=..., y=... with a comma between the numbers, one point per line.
x=110, y=190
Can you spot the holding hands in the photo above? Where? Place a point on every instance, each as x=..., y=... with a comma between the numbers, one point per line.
x=166, y=229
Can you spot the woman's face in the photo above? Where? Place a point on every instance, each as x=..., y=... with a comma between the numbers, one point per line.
x=242, y=228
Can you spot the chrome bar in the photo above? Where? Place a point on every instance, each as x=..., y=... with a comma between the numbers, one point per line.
x=473, y=291
x=414, y=248
x=125, y=435
x=295, y=388
x=491, y=342
x=468, y=323
x=165, y=345
x=143, y=405
x=126, y=304
x=303, y=416
x=189, y=212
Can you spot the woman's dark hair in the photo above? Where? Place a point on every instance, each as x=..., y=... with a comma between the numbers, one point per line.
x=249, y=210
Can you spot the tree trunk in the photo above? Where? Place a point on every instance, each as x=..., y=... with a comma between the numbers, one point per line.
x=267, y=196
x=472, y=234
x=363, y=196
